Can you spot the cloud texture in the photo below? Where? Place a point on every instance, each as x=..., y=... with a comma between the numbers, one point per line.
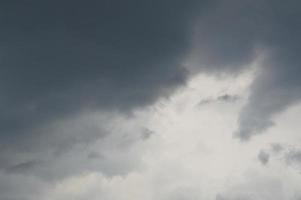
x=82, y=82
x=234, y=34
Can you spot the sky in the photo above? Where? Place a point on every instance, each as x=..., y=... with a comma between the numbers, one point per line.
x=150, y=99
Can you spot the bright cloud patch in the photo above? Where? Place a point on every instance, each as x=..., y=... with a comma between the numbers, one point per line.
x=191, y=152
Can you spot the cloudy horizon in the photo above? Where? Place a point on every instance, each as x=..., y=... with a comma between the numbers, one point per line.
x=144, y=100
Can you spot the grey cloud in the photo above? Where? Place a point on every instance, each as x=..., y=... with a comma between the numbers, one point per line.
x=23, y=167
x=61, y=61
x=277, y=148
x=272, y=92
x=183, y=193
x=16, y=187
x=228, y=98
x=146, y=133
x=274, y=150
x=255, y=187
x=85, y=144
x=242, y=197
x=95, y=155
x=60, y=58
x=205, y=101
x=237, y=32
x=287, y=154
x=41, y=148
x=263, y=157
x=293, y=157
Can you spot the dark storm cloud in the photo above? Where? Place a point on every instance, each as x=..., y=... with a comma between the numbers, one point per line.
x=234, y=34
x=59, y=58
x=62, y=60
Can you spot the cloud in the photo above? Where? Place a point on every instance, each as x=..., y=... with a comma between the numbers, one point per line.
x=146, y=134
x=228, y=98
x=237, y=33
x=74, y=78
x=241, y=197
x=15, y=187
x=63, y=62
x=260, y=186
x=293, y=157
x=60, y=59
x=91, y=142
x=23, y=167
x=263, y=157
x=277, y=148
x=289, y=155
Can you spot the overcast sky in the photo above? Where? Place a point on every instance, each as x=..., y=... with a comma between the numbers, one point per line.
x=150, y=100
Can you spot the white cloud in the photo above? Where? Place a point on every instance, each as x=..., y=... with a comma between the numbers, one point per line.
x=192, y=153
